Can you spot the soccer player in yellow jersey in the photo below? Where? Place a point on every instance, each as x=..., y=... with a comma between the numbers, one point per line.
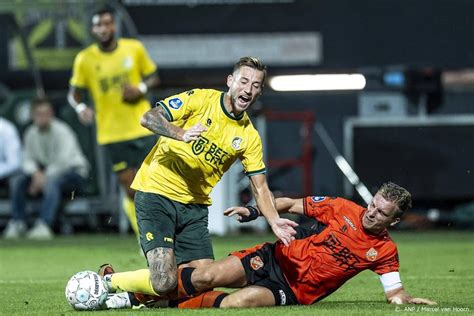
x=204, y=131
x=117, y=74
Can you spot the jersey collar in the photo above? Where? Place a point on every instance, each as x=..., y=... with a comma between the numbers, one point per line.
x=235, y=118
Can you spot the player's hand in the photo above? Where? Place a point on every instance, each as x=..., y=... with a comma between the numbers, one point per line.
x=86, y=116
x=283, y=229
x=37, y=183
x=240, y=211
x=131, y=94
x=418, y=300
x=193, y=133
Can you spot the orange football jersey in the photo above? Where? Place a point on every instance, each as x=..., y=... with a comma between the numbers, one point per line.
x=319, y=264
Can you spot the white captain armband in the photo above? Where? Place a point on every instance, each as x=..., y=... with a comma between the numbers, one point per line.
x=391, y=281
x=143, y=88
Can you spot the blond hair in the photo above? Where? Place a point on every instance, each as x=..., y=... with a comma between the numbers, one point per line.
x=396, y=194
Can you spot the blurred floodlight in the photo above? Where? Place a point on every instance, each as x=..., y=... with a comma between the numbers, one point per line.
x=321, y=82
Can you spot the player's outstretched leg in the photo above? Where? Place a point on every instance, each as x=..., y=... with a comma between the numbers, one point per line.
x=227, y=272
x=250, y=296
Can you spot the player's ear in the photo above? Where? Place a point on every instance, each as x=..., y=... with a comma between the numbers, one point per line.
x=230, y=79
x=397, y=220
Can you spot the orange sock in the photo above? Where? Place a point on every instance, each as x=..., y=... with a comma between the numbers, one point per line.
x=206, y=299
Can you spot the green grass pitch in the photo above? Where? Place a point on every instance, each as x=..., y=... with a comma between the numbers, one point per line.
x=435, y=265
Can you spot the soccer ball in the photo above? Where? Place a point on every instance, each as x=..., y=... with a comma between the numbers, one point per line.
x=86, y=291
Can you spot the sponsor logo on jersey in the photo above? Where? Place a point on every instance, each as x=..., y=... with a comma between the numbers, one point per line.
x=348, y=221
x=175, y=103
x=371, y=254
x=236, y=143
x=208, y=122
x=344, y=228
x=168, y=239
x=282, y=297
x=256, y=263
x=149, y=236
x=213, y=154
x=318, y=198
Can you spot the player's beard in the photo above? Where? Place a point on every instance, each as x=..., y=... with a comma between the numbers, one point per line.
x=236, y=104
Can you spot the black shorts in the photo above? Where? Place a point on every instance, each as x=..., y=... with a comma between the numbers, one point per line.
x=164, y=223
x=130, y=153
x=262, y=269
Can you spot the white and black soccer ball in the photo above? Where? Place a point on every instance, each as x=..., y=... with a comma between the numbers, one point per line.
x=86, y=291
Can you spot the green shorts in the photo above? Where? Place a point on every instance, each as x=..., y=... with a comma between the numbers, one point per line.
x=130, y=153
x=164, y=223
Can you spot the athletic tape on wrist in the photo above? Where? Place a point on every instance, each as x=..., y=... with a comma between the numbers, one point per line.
x=254, y=214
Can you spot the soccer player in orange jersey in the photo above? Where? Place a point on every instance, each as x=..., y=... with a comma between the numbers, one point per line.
x=345, y=240
x=342, y=240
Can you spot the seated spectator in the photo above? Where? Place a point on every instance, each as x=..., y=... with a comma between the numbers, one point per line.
x=53, y=165
x=10, y=150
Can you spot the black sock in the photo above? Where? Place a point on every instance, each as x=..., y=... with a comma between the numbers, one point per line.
x=218, y=301
x=186, y=281
x=133, y=300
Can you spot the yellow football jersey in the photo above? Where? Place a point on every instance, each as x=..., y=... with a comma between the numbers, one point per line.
x=104, y=74
x=187, y=172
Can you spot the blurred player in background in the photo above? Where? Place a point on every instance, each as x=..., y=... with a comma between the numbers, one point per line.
x=117, y=73
x=204, y=131
x=53, y=164
x=344, y=240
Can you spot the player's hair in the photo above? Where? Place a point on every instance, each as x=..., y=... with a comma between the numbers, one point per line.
x=251, y=62
x=104, y=10
x=396, y=194
x=36, y=102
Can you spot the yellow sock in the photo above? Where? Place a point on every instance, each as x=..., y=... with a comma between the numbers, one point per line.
x=129, y=208
x=133, y=281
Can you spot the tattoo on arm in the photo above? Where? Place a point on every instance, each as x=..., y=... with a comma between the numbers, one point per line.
x=156, y=122
x=163, y=270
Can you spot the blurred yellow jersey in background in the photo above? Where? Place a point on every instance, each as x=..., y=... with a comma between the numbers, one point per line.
x=187, y=172
x=104, y=74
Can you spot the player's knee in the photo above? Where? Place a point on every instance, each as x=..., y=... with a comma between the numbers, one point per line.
x=163, y=283
x=203, y=278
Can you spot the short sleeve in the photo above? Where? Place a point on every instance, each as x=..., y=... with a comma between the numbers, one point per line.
x=180, y=106
x=79, y=75
x=322, y=208
x=147, y=65
x=252, y=157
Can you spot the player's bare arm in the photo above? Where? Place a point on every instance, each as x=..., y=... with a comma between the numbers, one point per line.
x=132, y=94
x=155, y=121
x=75, y=98
x=281, y=227
x=283, y=205
x=163, y=270
x=400, y=296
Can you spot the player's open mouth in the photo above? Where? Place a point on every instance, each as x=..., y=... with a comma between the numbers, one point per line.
x=244, y=99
